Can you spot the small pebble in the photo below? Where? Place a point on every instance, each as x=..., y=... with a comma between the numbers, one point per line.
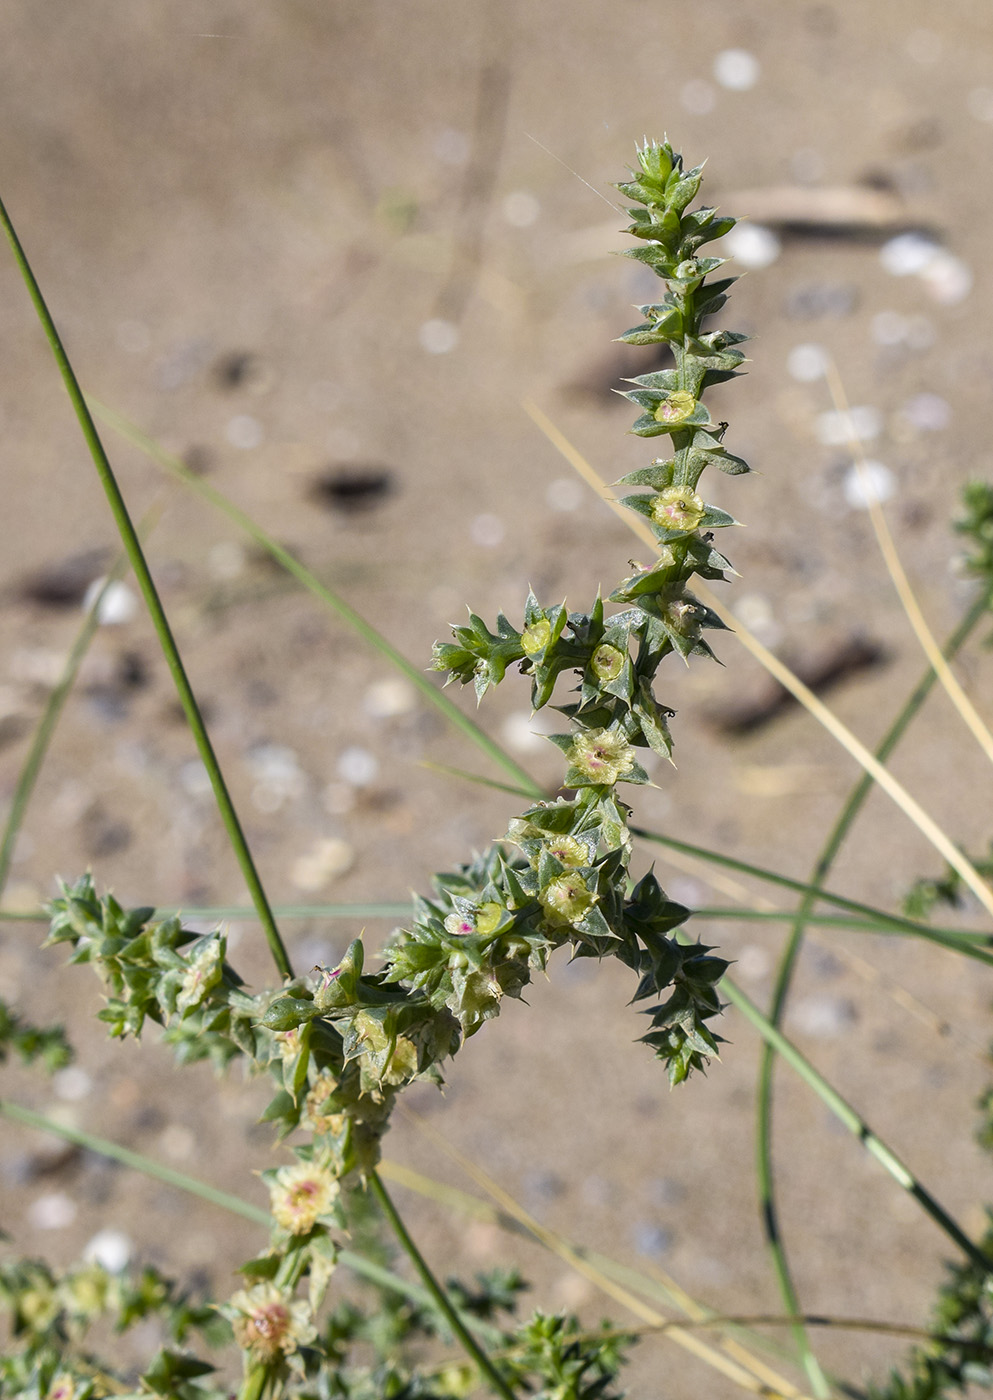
x=54, y=1211
x=112, y=1249
x=868, y=484
x=438, y=337
x=825, y=1017
x=807, y=363
x=947, y=278
x=117, y=606
x=357, y=766
x=177, y=1141
x=908, y=253
x=564, y=494
x=278, y=776
x=753, y=245
x=390, y=697
x=72, y=1083
x=753, y=963
x=980, y=103
x=520, y=209
x=226, y=560
x=651, y=1240
x=814, y=299
x=928, y=412
x=324, y=862
x=518, y=734
x=838, y=427
x=736, y=69
x=451, y=146
x=194, y=778
x=487, y=531
x=243, y=431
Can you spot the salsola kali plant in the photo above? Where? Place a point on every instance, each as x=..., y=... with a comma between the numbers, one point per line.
x=342, y=1043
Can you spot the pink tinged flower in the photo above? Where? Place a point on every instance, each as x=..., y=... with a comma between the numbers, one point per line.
x=62, y=1388
x=460, y=925
x=602, y=755
x=569, y=852
x=678, y=508
x=268, y=1324
x=300, y=1195
x=567, y=899
x=679, y=406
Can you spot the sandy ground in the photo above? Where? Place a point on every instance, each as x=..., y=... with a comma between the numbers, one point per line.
x=342, y=243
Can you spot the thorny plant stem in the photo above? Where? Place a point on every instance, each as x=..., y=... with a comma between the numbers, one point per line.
x=765, y=1168
x=136, y=557
x=443, y=1302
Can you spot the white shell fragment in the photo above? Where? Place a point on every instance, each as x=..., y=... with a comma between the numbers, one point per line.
x=838, y=427
x=117, y=606
x=109, y=1248
x=807, y=363
x=752, y=245
x=324, y=862
x=736, y=69
x=868, y=484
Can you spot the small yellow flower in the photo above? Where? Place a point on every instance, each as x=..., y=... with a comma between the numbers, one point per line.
x=536, y=637
x=300, y=1195
x=268, y=1324
x=566, y=899
x=679, y=406
x=603, y=755
x=607, y=663
x=317, y=1121
x=569, y=852
x=678, y=508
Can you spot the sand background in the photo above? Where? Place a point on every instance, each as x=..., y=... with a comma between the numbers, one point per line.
x=310, y=240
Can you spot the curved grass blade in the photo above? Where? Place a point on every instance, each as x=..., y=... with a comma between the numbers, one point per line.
x=328, y=596
x=143, y=577
x=765, y=1167
x=148, y=1166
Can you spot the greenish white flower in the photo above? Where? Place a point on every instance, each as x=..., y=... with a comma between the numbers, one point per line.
x=536, y=637
x=300, y=1195
x=679, y=406
x=268, y=1323
x=602, y=755
x=567, y=899
x=678, y=508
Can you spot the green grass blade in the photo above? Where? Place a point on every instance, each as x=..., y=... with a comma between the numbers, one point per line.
x=136, y=558
x=894, y=923
x=114, y=1152
x=46, y=726
x=855, y=1124
x=765, y=1166
x=432, y=693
